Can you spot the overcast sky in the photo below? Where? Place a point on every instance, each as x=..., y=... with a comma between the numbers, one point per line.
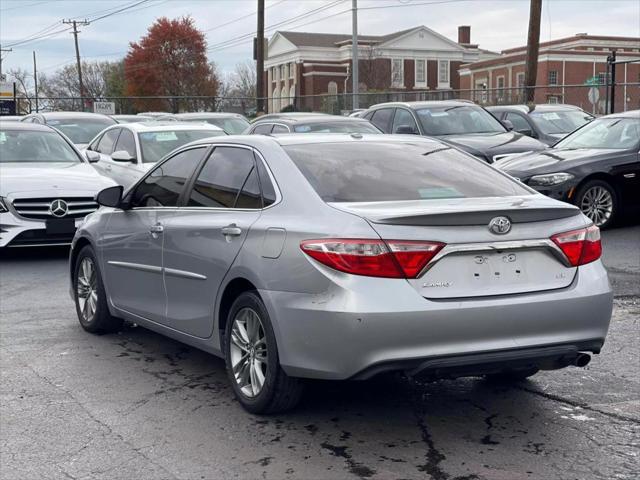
x=495, y=25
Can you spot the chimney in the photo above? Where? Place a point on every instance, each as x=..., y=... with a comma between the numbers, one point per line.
x=464, y=35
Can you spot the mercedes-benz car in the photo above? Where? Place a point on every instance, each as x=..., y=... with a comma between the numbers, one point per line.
x=546, y=122
x=312, y=124
x=125, y=152
x=46, y=186
x=596, y=168
x=462, y=124
x=341, y=256
x=231, y=123
x=79, y=127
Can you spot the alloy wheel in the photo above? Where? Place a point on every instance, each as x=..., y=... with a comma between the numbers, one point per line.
x=597, y=204
x=248, y=352
x=87, y=289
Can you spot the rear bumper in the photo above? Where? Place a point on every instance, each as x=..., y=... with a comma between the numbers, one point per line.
x=367, y=322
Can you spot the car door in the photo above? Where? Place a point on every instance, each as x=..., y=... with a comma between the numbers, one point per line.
x=104, y=148
x=132, y=242
x=126, y=173
x=203, y=239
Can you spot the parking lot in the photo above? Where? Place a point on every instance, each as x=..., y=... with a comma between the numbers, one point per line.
x=138, y=405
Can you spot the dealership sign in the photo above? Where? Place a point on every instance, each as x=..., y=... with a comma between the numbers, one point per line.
x=7, y=99
x=106, y=108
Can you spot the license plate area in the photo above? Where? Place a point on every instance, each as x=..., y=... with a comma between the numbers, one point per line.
x=61, y=226
x=486, y=273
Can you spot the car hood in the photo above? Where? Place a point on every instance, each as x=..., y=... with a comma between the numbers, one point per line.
x=551, y=160
x=51, y=178
x=487, y=145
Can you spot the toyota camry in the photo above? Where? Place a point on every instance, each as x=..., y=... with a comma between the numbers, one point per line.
x=341, y=256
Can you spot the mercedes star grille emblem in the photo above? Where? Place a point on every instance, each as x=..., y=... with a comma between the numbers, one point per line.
x=58, y=208
x=500, y=225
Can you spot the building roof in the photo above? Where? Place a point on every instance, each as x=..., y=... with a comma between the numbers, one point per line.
x=332, y=40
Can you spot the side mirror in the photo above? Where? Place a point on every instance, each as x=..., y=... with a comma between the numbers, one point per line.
x=528, y=133
x=122, y=156
x=110, y=197
x=507, y=124
x=92, y=156
x=406, y=130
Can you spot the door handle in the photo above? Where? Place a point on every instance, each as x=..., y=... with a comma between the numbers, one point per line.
x=231, y=230
x=156, y=229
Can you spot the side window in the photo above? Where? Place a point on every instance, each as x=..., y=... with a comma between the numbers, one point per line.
x=108, y=140
x=162, y=188
x=382, y=119
x=94, y=145
x=280, y=129
x=229, y=179
x=368, y=115
x=519, y=122
x=268, y=192
x=262, y=129
x=403, y=118
x=127, y=143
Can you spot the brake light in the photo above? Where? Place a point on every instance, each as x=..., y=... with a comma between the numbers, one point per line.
x=373, y=258
x=580, y=246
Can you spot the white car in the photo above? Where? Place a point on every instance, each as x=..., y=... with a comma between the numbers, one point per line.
x=125, y=152
x=46, y=186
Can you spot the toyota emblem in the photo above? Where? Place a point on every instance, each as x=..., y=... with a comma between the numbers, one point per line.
x=500, y=225
x=58, y=208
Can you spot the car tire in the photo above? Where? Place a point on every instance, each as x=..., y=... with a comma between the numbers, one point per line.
x=90, y=297
x=247, y=343
x=604, y=195
x=512, y=376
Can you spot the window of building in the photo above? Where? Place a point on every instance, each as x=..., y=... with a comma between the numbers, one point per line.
x=282, y=72
x=443, y=73
x=292, y=70
x=500, y=87
x=421, y=73
x=397, y=72
x=276, y=100
x=553, y=99
x=273, y=73
x=553, y=77
x=602, y=78
x=332, y=88
x=520, y=79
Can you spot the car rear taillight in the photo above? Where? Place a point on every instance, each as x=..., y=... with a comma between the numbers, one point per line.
x=580, y=246
x=373, y=258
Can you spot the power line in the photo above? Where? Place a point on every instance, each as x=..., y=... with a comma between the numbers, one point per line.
x=75, y=38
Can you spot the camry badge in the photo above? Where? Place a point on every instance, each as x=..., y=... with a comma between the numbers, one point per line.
x=500, y=225
x=58, y=208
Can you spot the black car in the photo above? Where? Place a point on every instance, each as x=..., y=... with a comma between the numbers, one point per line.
x=549, y=123
x=459, y=123
x=311, y=124
x=596, y=167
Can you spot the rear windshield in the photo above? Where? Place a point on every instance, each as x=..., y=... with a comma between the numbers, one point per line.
x=35, y=146
x=562, y=121
x=336, y=127
x=457, y=120
x=376, y=171
x=81, y=130
x=156, y=145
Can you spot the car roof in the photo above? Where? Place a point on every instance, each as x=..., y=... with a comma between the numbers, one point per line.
x=33, y=127
x=159, y=126
x=208, y=115
x=311, y=118
x=288, y=115
x=629, y=114
x=542, y=107
x=63, y=115
x=425, y=103
x=285, y=139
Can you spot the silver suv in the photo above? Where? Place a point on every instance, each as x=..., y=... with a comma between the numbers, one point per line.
x=342, y=256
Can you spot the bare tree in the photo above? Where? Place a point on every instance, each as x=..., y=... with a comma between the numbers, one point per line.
x=24, y=88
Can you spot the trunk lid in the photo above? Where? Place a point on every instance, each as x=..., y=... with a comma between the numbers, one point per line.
x=476, y=262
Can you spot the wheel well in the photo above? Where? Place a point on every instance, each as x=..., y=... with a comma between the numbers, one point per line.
x=80, y=244
x=599, y=176
x=231, y=292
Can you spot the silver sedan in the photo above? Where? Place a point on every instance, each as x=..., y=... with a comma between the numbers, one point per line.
x=342, y=256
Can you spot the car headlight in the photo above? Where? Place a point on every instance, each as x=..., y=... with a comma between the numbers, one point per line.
x=550, y=179
x=3, y=206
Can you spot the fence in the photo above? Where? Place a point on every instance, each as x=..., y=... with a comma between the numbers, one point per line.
x=593, y=99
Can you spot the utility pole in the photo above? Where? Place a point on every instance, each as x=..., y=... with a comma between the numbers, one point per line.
x=354, y=53
x=533, y=47
x=75, y=32
x=35, y=78
x=611, y=60
x=260, y=59
x=3, y=50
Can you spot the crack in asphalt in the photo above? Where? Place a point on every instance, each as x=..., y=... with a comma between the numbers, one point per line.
x=574, y=403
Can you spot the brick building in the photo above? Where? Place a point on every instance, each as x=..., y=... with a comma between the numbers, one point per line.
x=418, y=59
x=564, y=67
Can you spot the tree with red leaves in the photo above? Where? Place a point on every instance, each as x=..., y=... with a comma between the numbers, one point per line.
x=171, y=60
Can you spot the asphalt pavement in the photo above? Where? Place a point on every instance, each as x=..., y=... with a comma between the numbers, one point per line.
x=136, y=405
